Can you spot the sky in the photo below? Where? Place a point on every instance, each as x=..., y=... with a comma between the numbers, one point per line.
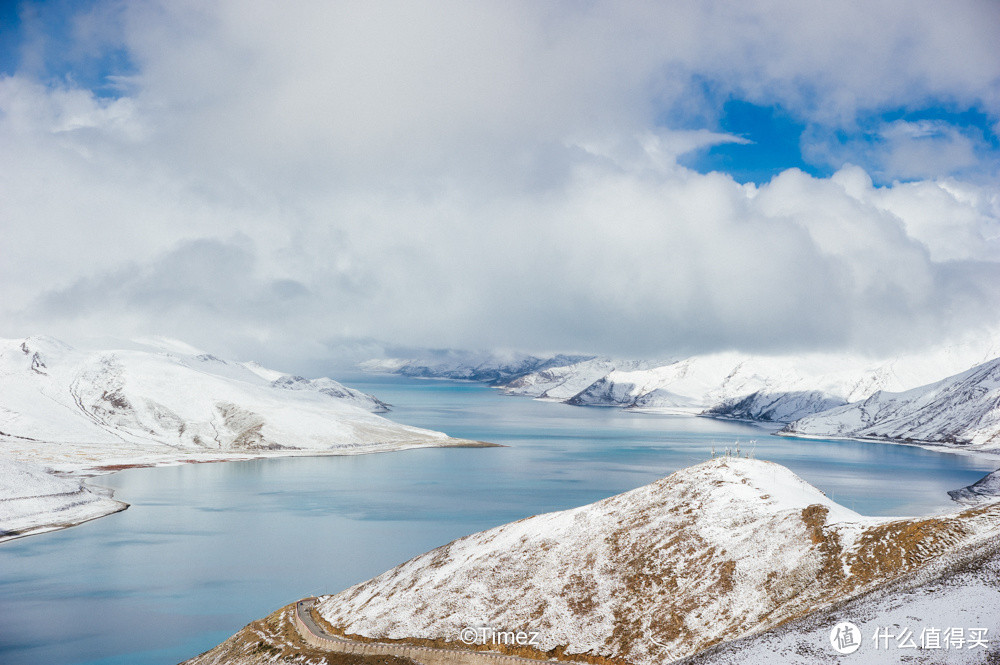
x=303, y=181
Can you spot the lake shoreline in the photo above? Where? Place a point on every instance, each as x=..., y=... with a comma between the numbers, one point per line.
x=55, y=520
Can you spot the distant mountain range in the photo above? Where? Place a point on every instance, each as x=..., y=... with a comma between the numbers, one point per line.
x=486, y=367
x=813, y=394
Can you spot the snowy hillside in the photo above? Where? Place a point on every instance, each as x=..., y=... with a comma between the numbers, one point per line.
x=984, y=490
x=781, y=407
x=962, y=410
x=328, y=386
x=854, y=378
x=77, y=408
x=714, y=552
x=33, y=500
x=700, y=382
x=958, y=591
x=562, y=382
x=729, y=385
x=775, y=388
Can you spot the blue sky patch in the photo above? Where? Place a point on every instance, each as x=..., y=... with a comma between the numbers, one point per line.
x=875, y=143
x=775, y=144
x=52, y=42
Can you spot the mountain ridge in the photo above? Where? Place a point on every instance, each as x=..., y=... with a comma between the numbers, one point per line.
x=713, y=553
x=961, y=411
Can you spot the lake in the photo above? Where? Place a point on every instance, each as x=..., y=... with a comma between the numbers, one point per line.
x=207, y=548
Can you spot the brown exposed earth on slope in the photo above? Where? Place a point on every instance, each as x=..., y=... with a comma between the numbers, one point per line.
x=274, y=639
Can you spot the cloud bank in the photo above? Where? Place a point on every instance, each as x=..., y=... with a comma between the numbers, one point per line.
x=260, y=177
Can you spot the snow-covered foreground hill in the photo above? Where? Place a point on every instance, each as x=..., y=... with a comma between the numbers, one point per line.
x=959, y=411
x=161, y=402
x=33, y=501
x=930, y=616
x=713, y=553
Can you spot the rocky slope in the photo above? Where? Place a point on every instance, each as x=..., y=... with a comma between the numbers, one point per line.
x=157, y=401
x=274, y=639
x=959, y=411
x=712, y=553
x=913, y=615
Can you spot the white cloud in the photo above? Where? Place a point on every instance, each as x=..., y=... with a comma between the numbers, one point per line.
x=492, y=175
x=926, y=148
x=905, y=150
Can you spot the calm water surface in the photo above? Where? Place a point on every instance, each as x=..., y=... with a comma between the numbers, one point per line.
x=206, y=548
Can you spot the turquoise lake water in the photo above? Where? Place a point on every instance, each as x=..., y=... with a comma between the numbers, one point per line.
x=207, y=548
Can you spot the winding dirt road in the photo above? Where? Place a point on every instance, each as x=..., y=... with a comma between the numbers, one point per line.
x=314, y=635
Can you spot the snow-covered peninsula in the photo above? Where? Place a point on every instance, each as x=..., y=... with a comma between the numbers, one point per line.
x=152, y=402
x=984, y=490
x=713, y=553
x=33, y=500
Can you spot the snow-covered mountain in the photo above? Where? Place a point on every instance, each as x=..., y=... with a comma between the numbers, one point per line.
x=984, y=490
x=73, y=408
x=714, y=552
x=736, y=385
x=487, y=367
x=838, y=380
x=562, y=382
x=961, y=410
x=690, y=384
x=328, y=386
x=778, y=406
x=775, y=388
x=33, y=500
